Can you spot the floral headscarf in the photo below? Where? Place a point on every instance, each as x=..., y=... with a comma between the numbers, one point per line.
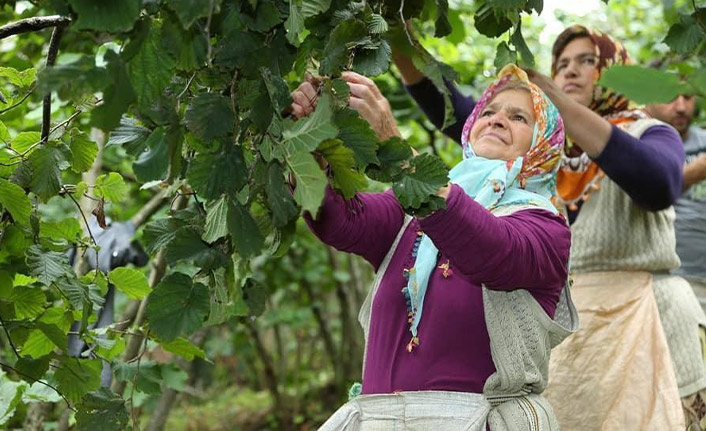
x=578, y=174
x=529, y=180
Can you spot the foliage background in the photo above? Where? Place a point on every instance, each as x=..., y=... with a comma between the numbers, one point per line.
x=271, y=340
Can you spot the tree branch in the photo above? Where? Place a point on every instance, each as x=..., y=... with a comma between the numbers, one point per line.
x=33, y=24
x=148, y=210
x=51, y=59
x=29, y=93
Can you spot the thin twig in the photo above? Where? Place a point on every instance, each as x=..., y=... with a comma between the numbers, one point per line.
x=51, y=59
x=133, y=412
x=209, y=50
x=88, y=228
x=404, y=24
x=188, y=84
x=29, y=93
x=68, y=404
x=32, y=24
x=148, y=210
x=4, y=327
x=33, y=146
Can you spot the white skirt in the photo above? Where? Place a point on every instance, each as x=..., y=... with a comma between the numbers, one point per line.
x=412, y=411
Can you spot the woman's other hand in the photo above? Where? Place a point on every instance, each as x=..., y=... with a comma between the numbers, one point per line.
x=371, y=105
x=304, y=97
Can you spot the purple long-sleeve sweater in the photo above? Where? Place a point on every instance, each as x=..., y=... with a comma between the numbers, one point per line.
x=648, y=169
x=528, y=249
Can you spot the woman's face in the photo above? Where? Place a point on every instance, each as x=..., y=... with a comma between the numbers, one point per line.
x=576, y=70
x=505, y=126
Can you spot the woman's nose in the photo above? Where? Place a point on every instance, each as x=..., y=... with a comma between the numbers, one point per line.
x=498, y=120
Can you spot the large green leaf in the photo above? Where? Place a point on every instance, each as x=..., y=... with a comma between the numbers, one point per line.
x=336, y=56
x=158, y=233
x=37, y=345
x=14, y=199
x=153, y=163
x=504, y=55
x=295, y=22
x=519, y=42
x=643, y=85
x=10, y=397
x=214, y=174
x=110, y=186
x=47, y=266
x=146, y=376
x=177, y=306
x=29, y=302
x=314, y=7
x=216, y=219
x=151, y=69
x=373, y=61
x=75, y=378
x=357, y=135
x=101, y=410
x=131, y=282
x=46, y=164
x=442, y=27
x=21, y=79
x=307, y=133
x=186, y=244
x=310, y=181
x=109, y=16
x=189, y=11
x=685, y=36
x=346, y=177
x=425, y=175
x=391, y=154
x=209, y=116
x=83, y=151
x=189, y=47
x=67, y=229
x=247, y=238
x=24, y=141
x=73, y=80
x=490, y=23
x=279, y=199
x=117, y=96
x=183, y=347
x=130, y=135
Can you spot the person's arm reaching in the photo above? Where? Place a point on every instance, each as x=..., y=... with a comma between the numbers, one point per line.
x=528, y=249
x=695, y=172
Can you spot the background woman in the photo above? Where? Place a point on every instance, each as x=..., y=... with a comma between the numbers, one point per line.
x=468, y=301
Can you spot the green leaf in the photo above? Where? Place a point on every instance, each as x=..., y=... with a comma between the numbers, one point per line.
x=314, y=7
x=209, y=116
x=111, y=187
x=10, y=397
x=147, y=376
x=189, y=11
x=310, y=181
x=425, y=175
x=112, y=17
x=47, y=266
x=75, y=377
x=101, y=410
x=216, y=219
x=186, y=244
x=39, y=393
x=117, y=96
x=19, y=79
x=255, y=296
x=151, y=70
x=307, y=133
x=279, y=199
x=357, y=135
x=226, y=298
x=643, y=85
x=335, y=56
x=4, y=134
x=377, y=24
x=37, y=345
x=277, y=90
x=153, y=163
x=373, y=62
x=177, y=306
x=83, y=151
x=24, y=141
x=214, y=174
x=345, y=177
x=391, y=154
x=73, y=80
x=247, y=238
x=504, y=55
x=189, y=47
x=32, y=369
x=14, y=199
x=130, y=135
x=29, y=302
x=183, y=347
x=157, y=234
x=685, y=36
x=490, y=24
x=294, y=23
x=67, y=229
x=131, y=282
x=519, y=42
x=46, y=164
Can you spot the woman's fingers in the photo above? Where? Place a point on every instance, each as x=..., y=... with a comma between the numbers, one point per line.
x=363, y=108
x=309, y=91
x=355, y=78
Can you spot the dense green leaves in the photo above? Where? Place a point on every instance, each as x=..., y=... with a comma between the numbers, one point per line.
x=209, y=116
x=110, y=186
x=76, y=377
x=243, y=229
x=131, y=282
x=344, y=36
x=423, y=178
x=189, y=11
x=213, y=174
x=177, y=306
x=685, y=36
x=46, y=265
x=46, y=164
x=101, y=410
x=106, y=16
x=151, y=69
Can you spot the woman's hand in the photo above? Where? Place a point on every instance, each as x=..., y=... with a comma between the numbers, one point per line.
x=371, y=105
x=304, y=97
x=583, y=126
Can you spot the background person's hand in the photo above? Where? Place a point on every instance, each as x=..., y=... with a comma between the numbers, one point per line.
x=371, y=105
x=304, y=97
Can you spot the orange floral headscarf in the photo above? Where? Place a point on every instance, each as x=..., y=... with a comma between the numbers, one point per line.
x=578, y=174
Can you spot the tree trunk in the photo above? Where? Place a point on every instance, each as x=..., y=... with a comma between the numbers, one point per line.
x=36, y=412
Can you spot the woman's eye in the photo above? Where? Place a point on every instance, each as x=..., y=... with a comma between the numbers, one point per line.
x=589, y=60
x=487, y=113
x=520, y=118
